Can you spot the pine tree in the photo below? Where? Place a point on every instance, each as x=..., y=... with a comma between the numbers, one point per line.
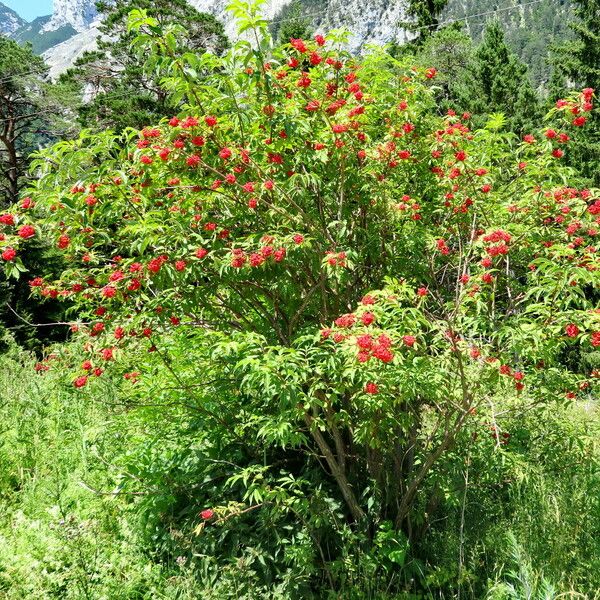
x=424, y=16
x=503, y=81
x=21, y=91
x=122, y=93
x=30, y=117
x=483, y=80
x=577, y=66
x=292, y=25
x=452, y=53
x=32, y=114
x=580, y=59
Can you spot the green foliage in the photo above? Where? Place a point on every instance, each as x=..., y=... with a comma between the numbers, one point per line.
x=24, y=319
x=21, y=93
x=100, y=494
x=503, y=82
x=57, y=538
x=527, y=521
x=32, y=114
x=424, y=17
x=264, y=242
x=452, y=53
x=484, y=79
x=119, y=92
x=531, y=29
x=290, y=24
x=325, y=339
x=581, y=56
x=577, y=63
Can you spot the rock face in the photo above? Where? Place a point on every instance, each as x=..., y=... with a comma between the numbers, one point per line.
x=72, y=28
x=372, y=21
x=33, y=33
x=69, y=18
x=79, y=14
x=10, y=21
x=62, y=56
x=218, y=8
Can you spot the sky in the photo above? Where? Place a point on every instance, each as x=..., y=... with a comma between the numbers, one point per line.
x=30, y=9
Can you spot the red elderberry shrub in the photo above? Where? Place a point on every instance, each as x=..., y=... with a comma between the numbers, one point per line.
x=26, y=232
x=207, y=514
x=409, y=340
x=367, y=318
x=81, y=381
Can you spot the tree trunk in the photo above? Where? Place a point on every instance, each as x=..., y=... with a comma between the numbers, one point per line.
x=337, y=472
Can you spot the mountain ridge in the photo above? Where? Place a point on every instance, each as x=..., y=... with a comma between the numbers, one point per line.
x=42, y=39
x=376, y=23
x=10, y=20
x=79, y=14
x=531, y=26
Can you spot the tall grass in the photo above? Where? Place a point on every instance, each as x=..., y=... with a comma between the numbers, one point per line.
x=527, y=526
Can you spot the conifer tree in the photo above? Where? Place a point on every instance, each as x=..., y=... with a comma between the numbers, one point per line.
x=292, y=24
x=501, y=82
x=481, y=80
x=451, y=52
x=21, y=91
x=424, y=16
x=31, y=116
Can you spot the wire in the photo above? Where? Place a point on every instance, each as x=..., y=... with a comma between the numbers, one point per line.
x=316, y=14
x=53, y=110
x=27, y=116
x=439, y=24
x=489, y=12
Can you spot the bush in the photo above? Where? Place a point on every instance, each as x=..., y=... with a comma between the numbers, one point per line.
x=332, y=290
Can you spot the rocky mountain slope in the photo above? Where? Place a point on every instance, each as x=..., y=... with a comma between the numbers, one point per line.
x=79, y=14
x=531, y=25
x=375, y=22
x=71, y=21
x=10, y=21
x=372, y=21
x=69, y=18
x=40, y=37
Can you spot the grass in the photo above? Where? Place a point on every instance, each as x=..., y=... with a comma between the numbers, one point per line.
x=530, y=525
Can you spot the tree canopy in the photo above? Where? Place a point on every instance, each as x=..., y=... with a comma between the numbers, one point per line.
x=118, y=92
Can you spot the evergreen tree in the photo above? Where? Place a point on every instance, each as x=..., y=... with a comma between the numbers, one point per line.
x=122, y=94
x=33, y=113
x=579, y=58
x=21, y=114
x=503, y=82
x=451, y=52
x=483, y=80
x=424, y=16
x=291, y=25
x=577, y=66
x=530, y=28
